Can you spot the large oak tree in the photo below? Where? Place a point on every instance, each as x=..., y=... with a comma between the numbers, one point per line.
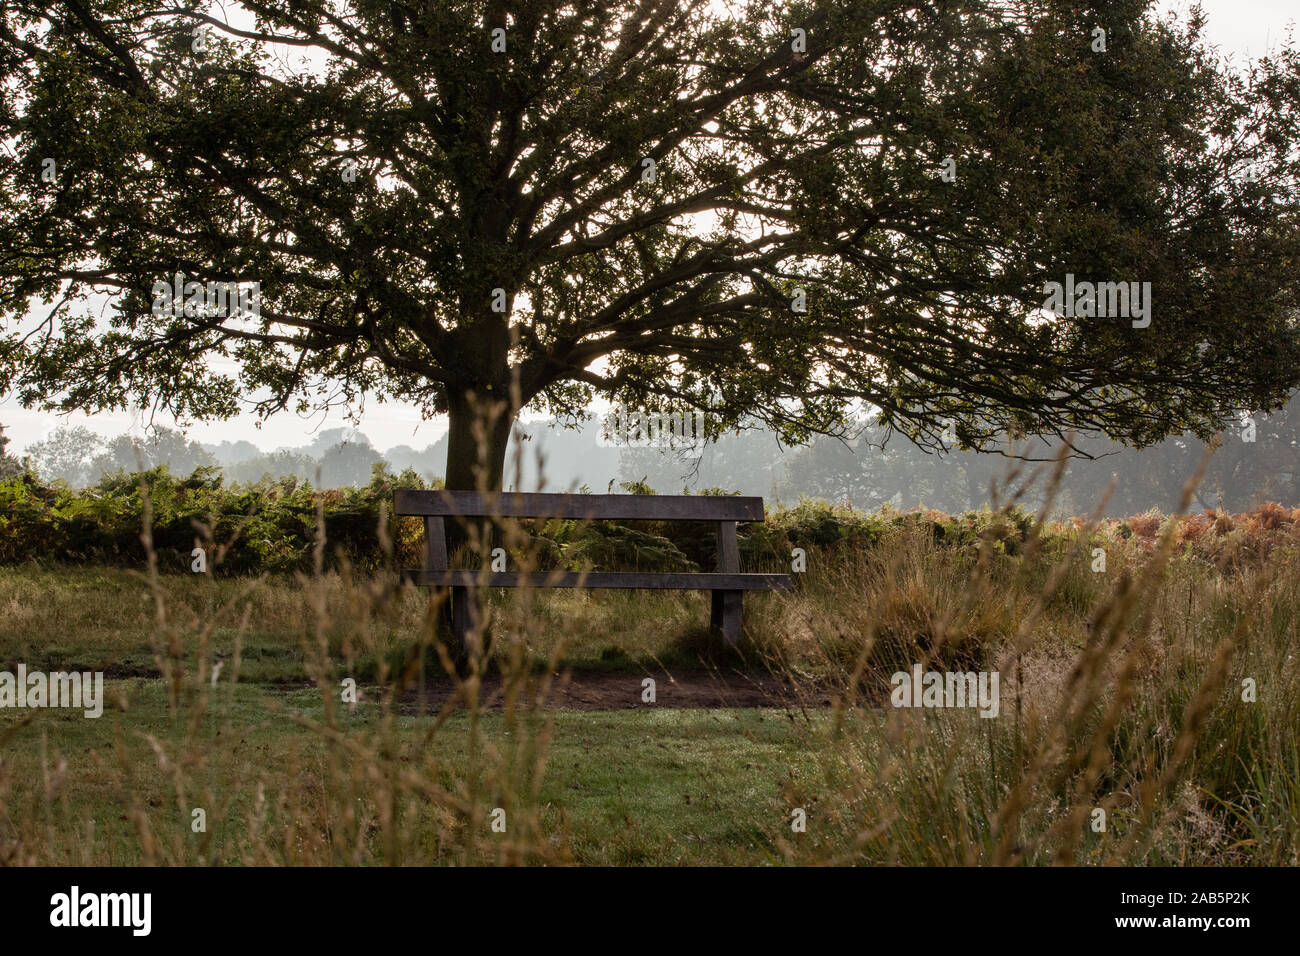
x=769, y=210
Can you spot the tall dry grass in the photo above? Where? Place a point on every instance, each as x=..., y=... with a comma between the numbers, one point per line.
x=1134, y=740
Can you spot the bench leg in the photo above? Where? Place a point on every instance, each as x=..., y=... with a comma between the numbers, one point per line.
x=448, y=618
x=462, y=619
x=726, y=617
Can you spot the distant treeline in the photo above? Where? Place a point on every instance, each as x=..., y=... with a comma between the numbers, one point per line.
x=336, y=458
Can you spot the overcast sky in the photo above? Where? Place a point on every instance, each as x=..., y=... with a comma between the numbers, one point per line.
x=1241, y=28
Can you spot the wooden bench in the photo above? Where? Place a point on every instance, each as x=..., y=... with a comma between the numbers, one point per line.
x=728, y=584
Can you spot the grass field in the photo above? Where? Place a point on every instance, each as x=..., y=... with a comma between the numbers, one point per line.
x=1161, y=695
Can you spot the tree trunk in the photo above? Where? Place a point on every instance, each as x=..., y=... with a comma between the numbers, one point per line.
x=477, y=442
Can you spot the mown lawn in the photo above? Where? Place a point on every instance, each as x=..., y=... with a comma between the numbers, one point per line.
x=648, y=786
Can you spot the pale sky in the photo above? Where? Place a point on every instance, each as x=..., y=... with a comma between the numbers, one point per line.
x=1241, y=29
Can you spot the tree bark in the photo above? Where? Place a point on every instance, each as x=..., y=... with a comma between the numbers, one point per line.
x=477, y=441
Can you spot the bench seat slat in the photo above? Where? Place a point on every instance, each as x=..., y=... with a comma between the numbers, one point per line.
x=409, y=501
x=672, y=580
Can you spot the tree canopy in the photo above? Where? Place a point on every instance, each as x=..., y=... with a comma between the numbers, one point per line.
x=772, y=211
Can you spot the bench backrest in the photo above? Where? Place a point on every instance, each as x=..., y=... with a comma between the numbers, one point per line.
x=465, y=504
